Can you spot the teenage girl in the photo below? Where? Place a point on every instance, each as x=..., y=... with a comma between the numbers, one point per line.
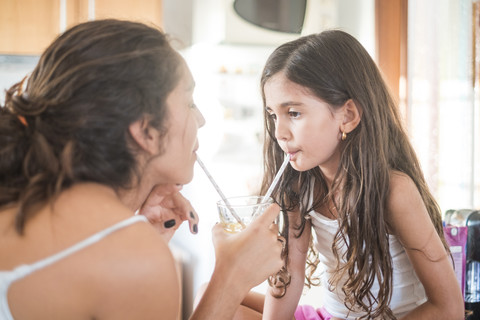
x=354, y=188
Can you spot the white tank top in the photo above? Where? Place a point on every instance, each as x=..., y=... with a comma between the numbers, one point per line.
x=407, y=291
x=8, y=277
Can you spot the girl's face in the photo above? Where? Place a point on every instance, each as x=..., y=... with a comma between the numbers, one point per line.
x=179, y=146
x=306, y=127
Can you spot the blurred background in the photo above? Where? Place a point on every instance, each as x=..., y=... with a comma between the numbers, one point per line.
x=428, y=51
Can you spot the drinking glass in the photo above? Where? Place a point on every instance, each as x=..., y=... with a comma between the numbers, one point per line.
x=247, y=209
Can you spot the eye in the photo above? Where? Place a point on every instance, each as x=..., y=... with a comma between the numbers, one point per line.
x=294, y=114
x=272, y=116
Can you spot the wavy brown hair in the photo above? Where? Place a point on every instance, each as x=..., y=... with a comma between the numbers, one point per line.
x=335, y=67
x=69, y=121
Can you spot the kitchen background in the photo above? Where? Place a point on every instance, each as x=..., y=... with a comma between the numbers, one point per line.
x=436, y=85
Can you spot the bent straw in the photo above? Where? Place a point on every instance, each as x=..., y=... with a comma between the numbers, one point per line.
x=275, y=181
x=215, y=185
x=277, y=178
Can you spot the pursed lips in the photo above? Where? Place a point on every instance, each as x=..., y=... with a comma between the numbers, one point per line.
x=292, y=154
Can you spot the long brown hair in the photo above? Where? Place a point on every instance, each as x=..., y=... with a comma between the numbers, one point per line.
x=69, y=121
x=335, y=67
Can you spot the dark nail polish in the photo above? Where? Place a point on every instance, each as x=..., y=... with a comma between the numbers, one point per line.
x=192, y=215
x=195, y=228
x=169, y=223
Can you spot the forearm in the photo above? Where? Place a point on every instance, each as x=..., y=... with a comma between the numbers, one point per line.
x=221, y=298
x=429, y=311
x=284, y=308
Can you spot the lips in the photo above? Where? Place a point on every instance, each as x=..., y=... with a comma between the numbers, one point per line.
x=292, y=154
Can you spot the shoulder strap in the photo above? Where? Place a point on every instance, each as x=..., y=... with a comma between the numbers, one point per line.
x=23, y=270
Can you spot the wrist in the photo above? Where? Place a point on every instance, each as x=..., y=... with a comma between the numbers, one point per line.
x=221, y=298
x=231, y=279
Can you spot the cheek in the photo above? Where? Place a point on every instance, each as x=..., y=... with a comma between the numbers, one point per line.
x=189, y=133
x=328, y=140
x=190, y=137
x=316, y=134
x=176, y=168
x=320, y=141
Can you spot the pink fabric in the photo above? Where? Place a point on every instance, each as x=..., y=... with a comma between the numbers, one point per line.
x=309, y=313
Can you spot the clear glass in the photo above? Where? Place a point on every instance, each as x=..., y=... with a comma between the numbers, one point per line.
x=246, y=207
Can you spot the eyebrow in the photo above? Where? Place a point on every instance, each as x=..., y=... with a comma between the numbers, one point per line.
x=286, y=104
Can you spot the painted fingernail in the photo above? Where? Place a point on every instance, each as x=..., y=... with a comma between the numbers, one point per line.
x=169, y=223
x=195, y=228
x=192, y=215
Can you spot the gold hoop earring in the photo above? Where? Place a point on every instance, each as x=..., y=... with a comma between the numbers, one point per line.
x=344, y=135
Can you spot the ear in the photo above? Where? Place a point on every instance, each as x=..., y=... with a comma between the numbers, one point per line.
x=145, y=135
x=352, y=114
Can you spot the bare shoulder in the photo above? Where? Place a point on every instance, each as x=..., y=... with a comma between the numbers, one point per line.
x=138, y=277
x=406, y=209
x=403, y=192
x=401, y=183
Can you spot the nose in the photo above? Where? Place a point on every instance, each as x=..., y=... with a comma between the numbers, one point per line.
x=199, y=117
x=281, y=130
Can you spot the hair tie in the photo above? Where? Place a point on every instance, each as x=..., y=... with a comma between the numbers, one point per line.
x=22, y=120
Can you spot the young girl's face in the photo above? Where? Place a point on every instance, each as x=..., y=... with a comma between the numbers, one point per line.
x=306, y=127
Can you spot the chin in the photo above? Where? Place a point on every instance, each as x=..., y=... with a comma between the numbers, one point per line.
x=180, y=176
x=299, y=168
x=188, y=176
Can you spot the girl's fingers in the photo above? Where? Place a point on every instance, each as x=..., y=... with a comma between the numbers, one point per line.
x=159, y=192
x=193, y=221
x=186, y=211
x=166, y=208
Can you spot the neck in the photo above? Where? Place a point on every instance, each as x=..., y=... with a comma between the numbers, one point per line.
x=134, y=197
x=328, y=176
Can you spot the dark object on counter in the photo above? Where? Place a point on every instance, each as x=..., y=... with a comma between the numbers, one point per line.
x=472, y=311
x=472, y=281
x=471, y=219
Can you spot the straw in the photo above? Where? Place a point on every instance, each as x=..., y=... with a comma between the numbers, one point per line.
x=215, y=185
x=274, y=182
x=277, y=178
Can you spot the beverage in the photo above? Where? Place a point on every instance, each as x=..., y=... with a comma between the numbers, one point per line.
x=247, y=209
x=233, y=227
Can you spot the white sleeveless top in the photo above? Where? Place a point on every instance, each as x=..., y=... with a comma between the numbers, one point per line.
x=407, y=291
x=8, y=277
